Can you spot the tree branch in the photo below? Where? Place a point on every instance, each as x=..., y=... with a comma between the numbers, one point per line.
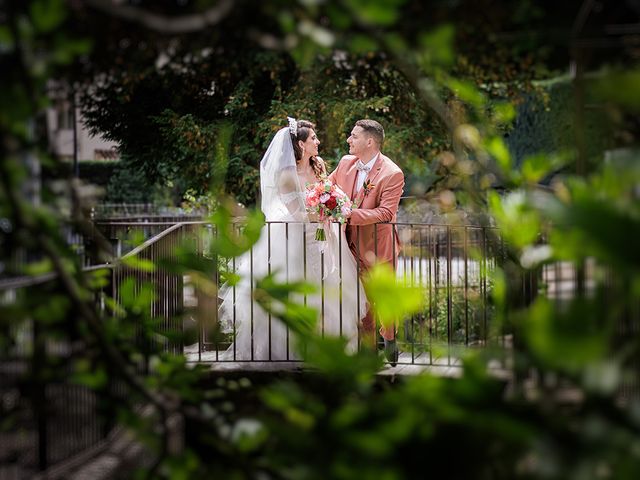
x=163, y=23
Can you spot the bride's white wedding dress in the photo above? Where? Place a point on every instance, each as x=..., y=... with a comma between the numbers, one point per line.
x=287, y=247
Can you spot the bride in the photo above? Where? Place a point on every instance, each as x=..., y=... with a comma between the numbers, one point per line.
x=287, y=248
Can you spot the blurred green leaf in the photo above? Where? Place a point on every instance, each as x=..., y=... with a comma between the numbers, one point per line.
x=52, y=309
x=618, y=87
x=66, y=50
x=94, y=380
x=381, y=12
x=230, y=278
x=85, y=374
x=39, y=267
x=233, y=239
x=294, y=404
x=114, y=307
x=396, y=42
x=137, y=296
x=499, y=290
x=437, y=46
x=392, y=299
x=99, y=278
x=304, y=52
x=134, y=238
x=249, y=434
x=6, y=39
x=467, y=92
x=518, y=220
x=340, y=19
x=594, y=227
x=536, y=167
x=330, y=357
x=498, y=150
x=186, y=258
x=287, y=22
x=503, y=112
x=363, y=44
x=276, y=298
x=138, y=263
x=47, y=14
x=223, y=135
x=568, y=338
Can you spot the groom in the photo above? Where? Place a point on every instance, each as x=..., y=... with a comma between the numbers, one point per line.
x=375, y=184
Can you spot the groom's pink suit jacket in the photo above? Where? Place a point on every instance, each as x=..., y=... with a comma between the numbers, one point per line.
x=370, y=242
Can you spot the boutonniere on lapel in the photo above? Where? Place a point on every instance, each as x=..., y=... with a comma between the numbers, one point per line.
x=367, y=186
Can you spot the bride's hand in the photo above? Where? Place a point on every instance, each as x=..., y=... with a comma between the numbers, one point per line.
x=314, y=217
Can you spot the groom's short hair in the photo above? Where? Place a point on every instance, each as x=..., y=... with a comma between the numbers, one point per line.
x=372, y=128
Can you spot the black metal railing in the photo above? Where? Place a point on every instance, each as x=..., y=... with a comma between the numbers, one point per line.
x=56, y=418
x=451, y=265
x=143, y=211
x=52, y=417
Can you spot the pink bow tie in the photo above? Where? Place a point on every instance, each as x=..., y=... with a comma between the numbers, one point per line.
x=362, y=167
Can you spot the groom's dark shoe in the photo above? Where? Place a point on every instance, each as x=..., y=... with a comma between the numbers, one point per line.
x=391, y=351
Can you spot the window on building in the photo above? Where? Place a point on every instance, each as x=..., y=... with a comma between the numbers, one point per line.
x=65, y=117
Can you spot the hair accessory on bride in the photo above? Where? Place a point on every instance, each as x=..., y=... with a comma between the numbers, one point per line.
x=293, y=125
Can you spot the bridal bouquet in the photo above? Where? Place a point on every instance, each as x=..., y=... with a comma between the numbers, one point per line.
x=330, y=203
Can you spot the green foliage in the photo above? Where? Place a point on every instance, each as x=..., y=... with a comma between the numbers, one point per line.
x=496, y=147
x=97, y=172
x=559, y=342
x=172, y=122
x=188, y=145
x=128, y=185
x=355, y=87
x=437, y=48
x=349, y=88
x=546, y=124
x=368, y=433
x=47, y=14
x=382, y=13
x=619, y=88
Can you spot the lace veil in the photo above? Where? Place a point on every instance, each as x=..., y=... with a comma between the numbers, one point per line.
x=282, y=194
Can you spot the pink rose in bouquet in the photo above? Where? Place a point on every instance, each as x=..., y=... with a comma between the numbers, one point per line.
x=329, y=202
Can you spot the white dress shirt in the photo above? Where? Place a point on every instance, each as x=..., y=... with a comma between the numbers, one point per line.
x=362, y=174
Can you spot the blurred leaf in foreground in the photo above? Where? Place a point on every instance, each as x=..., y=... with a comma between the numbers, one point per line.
x=276, y=298
x=620, y=88
x=233, y=238
x=393, y=299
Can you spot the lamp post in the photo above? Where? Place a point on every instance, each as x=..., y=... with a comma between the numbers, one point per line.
x=76, y=166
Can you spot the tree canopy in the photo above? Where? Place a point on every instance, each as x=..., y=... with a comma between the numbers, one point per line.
x=329, y=62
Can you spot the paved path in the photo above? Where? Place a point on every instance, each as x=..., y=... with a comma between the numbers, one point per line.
x=445, y=367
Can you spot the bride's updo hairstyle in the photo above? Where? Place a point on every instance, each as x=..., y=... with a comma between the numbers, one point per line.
x=303, y=131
